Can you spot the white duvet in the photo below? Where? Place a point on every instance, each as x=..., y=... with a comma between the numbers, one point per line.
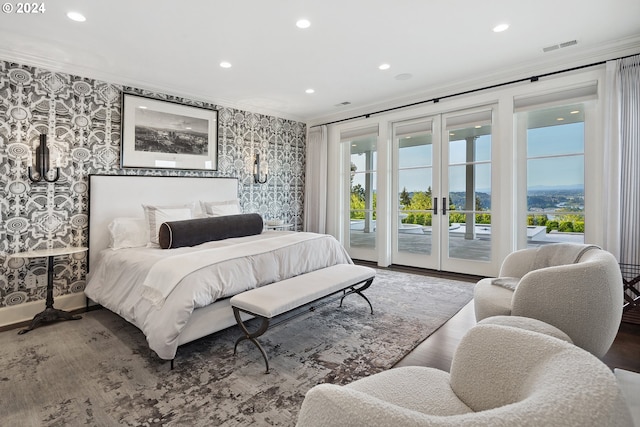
x=120, y=278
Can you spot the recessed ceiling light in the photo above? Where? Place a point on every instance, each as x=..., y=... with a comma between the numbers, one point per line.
x=575, y=111
x=309, y=90
x=478, y=127
x=303, y=23
x=384, y=67
x=225, y=64
x=142, y=107
x=500, y=28
x=560, y=119
x=76, y=16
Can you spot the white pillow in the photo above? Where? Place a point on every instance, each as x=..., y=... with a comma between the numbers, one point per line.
x=156, y=215
x=127, y=233
x=226, y=207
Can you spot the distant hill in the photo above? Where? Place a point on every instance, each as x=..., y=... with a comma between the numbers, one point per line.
x=458, y=199
x=554, y=188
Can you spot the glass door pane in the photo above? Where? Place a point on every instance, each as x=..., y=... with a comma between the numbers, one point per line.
x=415, y=199
x=362, y=204
x=469, y=234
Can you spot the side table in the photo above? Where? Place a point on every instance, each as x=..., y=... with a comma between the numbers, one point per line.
x=49, y=314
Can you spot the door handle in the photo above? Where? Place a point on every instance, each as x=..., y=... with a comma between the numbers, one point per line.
x=435, y=206
x=444, y=206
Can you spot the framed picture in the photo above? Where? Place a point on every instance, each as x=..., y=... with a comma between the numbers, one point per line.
x=165, y=135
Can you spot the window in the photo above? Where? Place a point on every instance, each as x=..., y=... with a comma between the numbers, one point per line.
x=555, y=175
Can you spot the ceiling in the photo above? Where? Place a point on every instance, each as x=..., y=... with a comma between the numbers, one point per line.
x=175, y=47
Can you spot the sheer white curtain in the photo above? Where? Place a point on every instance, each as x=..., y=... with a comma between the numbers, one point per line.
x=630, y=159
x=611, y=184
x=315, y=195
x=622, y=157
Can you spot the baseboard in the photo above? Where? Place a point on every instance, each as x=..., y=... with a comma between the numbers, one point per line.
x=21, y=313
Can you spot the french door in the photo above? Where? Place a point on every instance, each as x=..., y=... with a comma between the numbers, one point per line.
x=442, y=186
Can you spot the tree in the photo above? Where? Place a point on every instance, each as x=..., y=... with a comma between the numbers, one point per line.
x=420, y=201
x=405, y=199
x=358, y=190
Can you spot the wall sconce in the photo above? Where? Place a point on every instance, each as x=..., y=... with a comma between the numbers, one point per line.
x=256, y=170
x=42, y=165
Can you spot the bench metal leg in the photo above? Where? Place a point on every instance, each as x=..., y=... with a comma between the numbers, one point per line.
x=252, y=336
x=358, y=291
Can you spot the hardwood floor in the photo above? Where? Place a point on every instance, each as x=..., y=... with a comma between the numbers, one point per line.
x=625, y=351
x=437, y=350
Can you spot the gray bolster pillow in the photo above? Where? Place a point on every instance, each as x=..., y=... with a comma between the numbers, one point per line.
x=192, y=232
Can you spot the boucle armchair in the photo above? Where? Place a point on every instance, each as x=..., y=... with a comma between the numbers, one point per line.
x=500, y=376
x=576, y=288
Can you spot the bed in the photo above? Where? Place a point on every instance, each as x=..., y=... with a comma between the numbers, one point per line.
x=192, y=298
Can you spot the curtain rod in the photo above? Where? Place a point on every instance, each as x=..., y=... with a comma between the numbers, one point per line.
x=466, y=92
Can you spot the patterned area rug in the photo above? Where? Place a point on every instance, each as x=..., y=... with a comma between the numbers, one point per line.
x=99, y=370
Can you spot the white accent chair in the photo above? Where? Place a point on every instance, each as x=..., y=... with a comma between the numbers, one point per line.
x=500, y=376
x=629, y=382
x=576, y=288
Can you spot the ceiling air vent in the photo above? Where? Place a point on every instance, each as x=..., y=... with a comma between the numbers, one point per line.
x=560, y=45
x=342, y=104
x=569, y=43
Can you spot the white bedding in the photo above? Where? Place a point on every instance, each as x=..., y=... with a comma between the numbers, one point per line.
x=117, y=280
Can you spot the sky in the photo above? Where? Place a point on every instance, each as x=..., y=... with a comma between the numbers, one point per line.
x=162, y=120
x=565, y=140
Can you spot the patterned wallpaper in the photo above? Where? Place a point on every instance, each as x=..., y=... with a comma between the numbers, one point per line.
x=81, y=117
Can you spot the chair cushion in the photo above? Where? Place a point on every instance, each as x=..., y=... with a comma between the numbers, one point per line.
x=491, y=300
x=416, y=388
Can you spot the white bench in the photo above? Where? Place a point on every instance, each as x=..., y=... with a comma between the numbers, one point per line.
x=277, y=298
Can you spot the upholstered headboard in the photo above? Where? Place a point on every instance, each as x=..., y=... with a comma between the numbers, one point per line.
x=112, y=196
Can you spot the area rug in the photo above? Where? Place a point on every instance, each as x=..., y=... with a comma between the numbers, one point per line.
x=98, y=371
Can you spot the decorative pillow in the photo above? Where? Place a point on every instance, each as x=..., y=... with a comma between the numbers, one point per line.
x=156, y=215
x=128, y=233
x=510, y=283
x=227, y=207
x=176, y=234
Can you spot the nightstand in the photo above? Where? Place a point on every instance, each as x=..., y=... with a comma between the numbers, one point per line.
x=49, y=314
x=278, y=227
